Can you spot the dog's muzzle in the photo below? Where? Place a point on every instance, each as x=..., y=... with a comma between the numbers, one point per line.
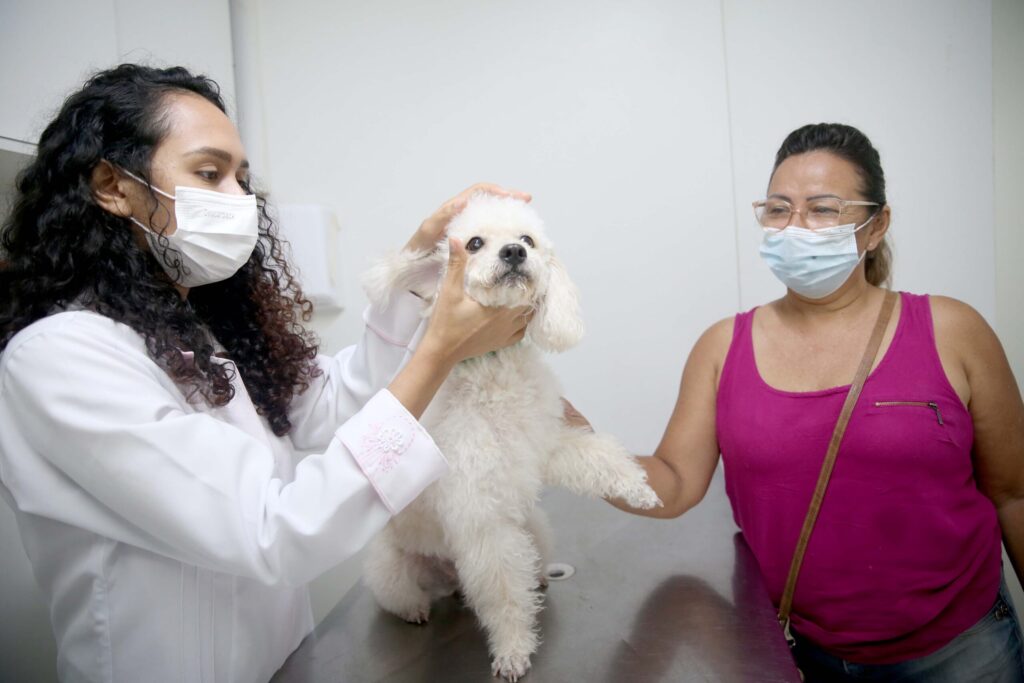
x=513, y=256
x=513, y=276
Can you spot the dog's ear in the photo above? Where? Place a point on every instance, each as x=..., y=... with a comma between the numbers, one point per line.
x=414, y=271
x=557, y=324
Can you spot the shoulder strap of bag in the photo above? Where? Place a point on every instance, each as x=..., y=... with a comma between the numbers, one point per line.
x=786, y=604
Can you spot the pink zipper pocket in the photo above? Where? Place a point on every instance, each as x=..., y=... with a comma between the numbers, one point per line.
x=913, y=404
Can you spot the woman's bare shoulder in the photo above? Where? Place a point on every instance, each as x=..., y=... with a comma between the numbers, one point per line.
x=719, y=334
x=964, y=331
x=713, y=345
x=955, y=320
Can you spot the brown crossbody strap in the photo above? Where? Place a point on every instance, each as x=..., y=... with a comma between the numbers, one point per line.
x=786, y=603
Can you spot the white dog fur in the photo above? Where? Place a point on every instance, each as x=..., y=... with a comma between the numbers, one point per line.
x=498, y=420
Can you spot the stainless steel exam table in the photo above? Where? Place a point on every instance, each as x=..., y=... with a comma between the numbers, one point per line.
x=650, y=600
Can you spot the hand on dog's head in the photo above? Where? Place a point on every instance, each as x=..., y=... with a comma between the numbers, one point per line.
x=511, y=262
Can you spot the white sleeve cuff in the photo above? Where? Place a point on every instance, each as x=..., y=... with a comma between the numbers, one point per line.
x=396, y=323
x=393, y=450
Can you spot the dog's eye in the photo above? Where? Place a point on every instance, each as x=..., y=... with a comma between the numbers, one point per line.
x=527, y=239
x=474, y=244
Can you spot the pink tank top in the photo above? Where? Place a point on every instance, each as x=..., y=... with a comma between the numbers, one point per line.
x=906, y=553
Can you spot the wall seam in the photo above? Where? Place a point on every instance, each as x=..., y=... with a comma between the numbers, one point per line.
x=732, y=157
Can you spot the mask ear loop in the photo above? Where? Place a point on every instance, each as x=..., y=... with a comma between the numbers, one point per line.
x=149, y=185
x=870, y=218
x=158, y=242
x=152, y=188
x=866, y=250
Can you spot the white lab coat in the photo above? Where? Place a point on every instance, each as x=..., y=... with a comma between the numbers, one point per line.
x=175, y=541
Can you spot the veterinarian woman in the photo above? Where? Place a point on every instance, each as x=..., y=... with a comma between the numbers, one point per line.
x=158, y=393
x=901, y=576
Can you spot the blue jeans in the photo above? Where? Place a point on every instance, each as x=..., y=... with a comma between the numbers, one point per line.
x=988, y=652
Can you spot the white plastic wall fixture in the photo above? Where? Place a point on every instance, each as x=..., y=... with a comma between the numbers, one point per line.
x=312, y=232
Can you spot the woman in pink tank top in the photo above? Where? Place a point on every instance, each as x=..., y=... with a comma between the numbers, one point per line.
x=902, y=575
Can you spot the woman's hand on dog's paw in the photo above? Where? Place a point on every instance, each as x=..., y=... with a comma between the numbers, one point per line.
x=432, y=230
x=461, y=328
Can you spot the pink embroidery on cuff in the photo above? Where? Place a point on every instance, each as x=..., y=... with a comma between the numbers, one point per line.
x=384, y=444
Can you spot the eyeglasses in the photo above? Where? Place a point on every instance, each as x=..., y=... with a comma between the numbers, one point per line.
x=820, y=213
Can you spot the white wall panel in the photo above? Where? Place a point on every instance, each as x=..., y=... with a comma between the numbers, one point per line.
x=46, y=48
x=1008, y=163
x=195, y=34
x=916, y=78
x=612, y=114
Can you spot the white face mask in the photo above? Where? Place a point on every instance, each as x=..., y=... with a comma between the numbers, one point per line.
x=813, y=263
x=215, y=234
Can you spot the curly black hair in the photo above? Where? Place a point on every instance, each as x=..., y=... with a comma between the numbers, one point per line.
x=59, y=247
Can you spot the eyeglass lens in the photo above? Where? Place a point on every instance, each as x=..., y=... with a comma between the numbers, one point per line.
x=818, y=213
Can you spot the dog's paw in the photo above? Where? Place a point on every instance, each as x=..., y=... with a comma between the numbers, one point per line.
x=406, y=270
x=418, y=615
x=634, y=490
x=641, y=497
x=511, y=667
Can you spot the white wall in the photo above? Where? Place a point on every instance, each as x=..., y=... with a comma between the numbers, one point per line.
x=916, y=78
x=598, y=109
x=42, y=61
x=49, y=47
x=1008, y=157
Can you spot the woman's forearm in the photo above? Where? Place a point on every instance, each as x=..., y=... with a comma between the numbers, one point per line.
x=679, y=478
x=418, y=382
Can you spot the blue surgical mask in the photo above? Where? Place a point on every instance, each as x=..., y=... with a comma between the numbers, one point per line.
x=813, y=263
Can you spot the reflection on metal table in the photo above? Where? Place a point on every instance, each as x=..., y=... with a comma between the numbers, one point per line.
x=650, y=600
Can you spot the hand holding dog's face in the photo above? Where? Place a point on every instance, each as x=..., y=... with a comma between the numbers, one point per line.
x=460, y=327
x=512, y=263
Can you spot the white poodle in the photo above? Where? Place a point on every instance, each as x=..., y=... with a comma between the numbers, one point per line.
x=498, y=420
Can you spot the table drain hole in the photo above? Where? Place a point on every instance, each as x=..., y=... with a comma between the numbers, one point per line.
x=558, y=571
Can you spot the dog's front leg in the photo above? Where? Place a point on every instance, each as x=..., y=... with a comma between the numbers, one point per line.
x=497, y=564
x=598, y=465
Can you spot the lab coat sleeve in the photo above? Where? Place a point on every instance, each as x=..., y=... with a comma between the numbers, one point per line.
x=351, y=377
x=132, y=462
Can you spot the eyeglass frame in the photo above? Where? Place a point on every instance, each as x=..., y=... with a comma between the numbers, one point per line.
x=843, y=203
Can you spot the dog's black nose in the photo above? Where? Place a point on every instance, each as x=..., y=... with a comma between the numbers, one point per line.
x=512, y=254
